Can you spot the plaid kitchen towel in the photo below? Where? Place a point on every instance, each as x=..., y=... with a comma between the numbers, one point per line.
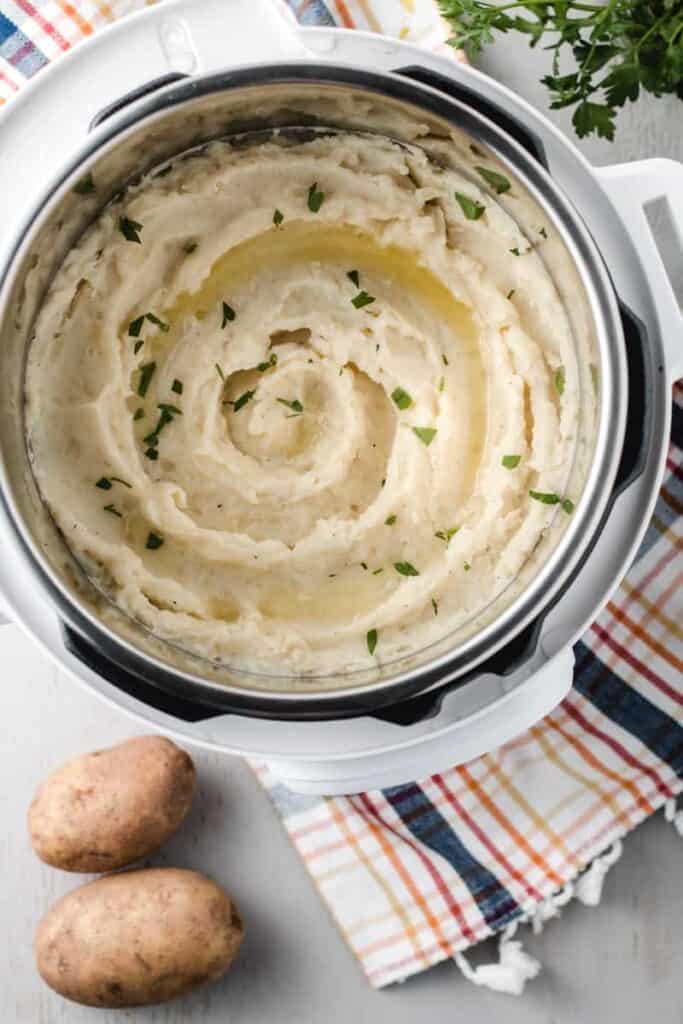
x=417, y=873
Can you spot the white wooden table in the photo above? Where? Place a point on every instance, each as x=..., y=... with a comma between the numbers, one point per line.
x=620, y=962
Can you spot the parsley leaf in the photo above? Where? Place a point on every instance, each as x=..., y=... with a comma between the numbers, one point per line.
x=228, y=314
x=511, y=461
x=240, y=402
x=154, y=541
x=354, y=276
x=130, y=229
x=293, y=404
x=104, y=484
x=446, y=535
x=269, y=364
x=545, y=497
x=405, y=569
x=177, y=386
x=435, y=606
x=390, y=520
x=559, y=380
x=567, y=506
x=113, y=509
x=401, y=398
x=497, y=181
x=146, y=374
x=85, y=186
x=371, y=640
x=362, y=299
x=278, y=218
x=426, y=434
x=472, y=209
x=315, y=198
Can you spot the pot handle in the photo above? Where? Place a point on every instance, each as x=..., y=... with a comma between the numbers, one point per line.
x=630, y=187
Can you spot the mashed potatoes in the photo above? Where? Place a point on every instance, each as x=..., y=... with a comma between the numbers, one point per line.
x=303, y=407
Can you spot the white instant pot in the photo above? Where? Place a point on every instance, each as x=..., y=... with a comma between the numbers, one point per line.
x=183, y=50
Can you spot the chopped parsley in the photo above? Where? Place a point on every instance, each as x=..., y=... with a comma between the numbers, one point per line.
x=511, y=461
x=567, y=506
x=139, y=414
x=166, y=416
x=219, y=371
x=118, y=480
x=401, y=398
x=446, y=535
x=497, y=181
x=240, y=402
x=472, y=209
x=543, y=233
x=315, y=198
x=376, y=572
x=444, y=359
x=426, y=434
x=559, y=380
x=130, y=229
x=85, y=186
x=466, y=566
x=362, y=299
x=364, y=565
x=138, y=345
x=190, y=247
x=515, y=251
x=510, y=293
x=442, y=384
x=170, y=409
x=177, y=386
x=151, y=453
x=228, y=314
x=158, y=323
x=154, y=541
x=278, y=218
x=371, y=640
x=113, y=510
x=354, y=276
x=435, y=606
x=390, y=520
x=104, y=484
x=262, y=367
x=146, y=374
x=294, y=404
x=135, y=326
x=545, y=497
x=405, y=569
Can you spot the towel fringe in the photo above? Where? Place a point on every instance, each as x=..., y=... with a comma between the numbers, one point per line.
x=588, y=887
x=673, y=815
x=514, y=968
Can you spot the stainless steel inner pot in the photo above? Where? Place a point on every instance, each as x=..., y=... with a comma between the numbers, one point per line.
x=143, y=132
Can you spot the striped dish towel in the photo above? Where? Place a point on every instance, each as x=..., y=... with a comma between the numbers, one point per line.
x=418, y=873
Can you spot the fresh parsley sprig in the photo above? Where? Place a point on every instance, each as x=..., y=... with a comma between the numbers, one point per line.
x=619, y=47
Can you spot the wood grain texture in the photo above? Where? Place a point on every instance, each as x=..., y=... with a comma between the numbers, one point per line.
x=619, y=962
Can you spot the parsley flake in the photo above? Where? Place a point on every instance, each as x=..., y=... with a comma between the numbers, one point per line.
x=545, y=497
x=362, y=299
x=315, y=198
x=294, y=404
x=401, y=398
x=85, y=186
x=472, y=209
x=511, y=461
x=446, y=535
x=278, y=218
x=444, y=359
x=139, y=414
x=405, y=569
x=190, y=247
x=137, y=346
x=543, y=233
x=219, y=371
x=177, y=386
x=269, y=364
x=559, y=380
x=104, y=484
x=113, y=510
x=158, y=323
x=390, y=520
x=515, y=251
x=510, y=293
x=154, y=541
x=497, y=181
x=354, y=276
x=466, y=566
x=371, y=640
x=426, y=434
x=118, y=480
x=151, y=453
x=435, y=606
x=146, y=374
x=130, y=229
x=567, y=506
x=228, y=314
x=240, y=402
x=135, y=326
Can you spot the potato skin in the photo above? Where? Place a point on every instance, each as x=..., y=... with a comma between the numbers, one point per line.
x=106, y=809
x=138, y=937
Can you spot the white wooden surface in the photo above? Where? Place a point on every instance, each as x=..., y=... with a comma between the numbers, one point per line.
x=620, y=962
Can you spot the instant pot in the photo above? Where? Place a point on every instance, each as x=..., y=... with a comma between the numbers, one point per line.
x=187, y=71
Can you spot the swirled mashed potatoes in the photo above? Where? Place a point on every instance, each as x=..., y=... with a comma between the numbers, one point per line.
x=300, y=407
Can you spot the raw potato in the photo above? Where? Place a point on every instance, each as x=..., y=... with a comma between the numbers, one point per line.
x=104, y=810
x=138, y=937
